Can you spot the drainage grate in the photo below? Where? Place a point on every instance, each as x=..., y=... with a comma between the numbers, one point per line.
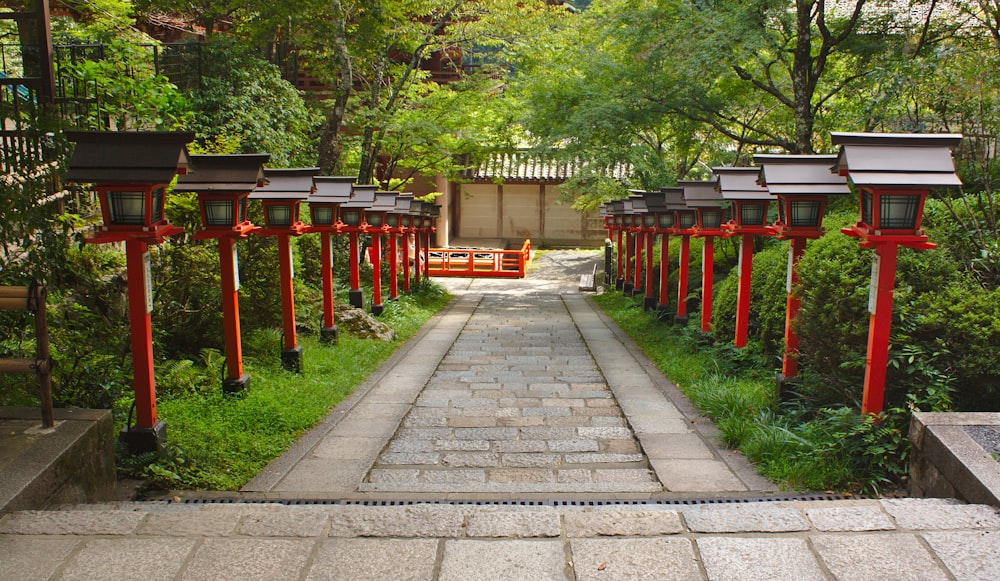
x=579, y=503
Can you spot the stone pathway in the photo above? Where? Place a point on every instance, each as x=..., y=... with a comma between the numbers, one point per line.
x=519, y=389
x=517, y=405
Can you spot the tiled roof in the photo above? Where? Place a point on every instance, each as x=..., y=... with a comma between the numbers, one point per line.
x=531, y=167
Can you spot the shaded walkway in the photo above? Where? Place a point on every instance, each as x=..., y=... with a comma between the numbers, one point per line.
x=518, y=389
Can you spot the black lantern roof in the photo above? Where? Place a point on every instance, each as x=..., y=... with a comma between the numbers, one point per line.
x=290, y=184
x=800, y=174
x=332, y=189
x=223, y=173
x=701, y=193
x=740, y=184
x=897, y=160
x=673, y=198
x=655, y=201
x=128, y=157
x=403, y=202
x=362, y=196
x=638, y=202
x=384, y=201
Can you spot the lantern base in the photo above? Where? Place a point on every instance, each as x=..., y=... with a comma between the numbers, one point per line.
x=680, y=320
x=638, y=292
x=291, y=359
x=649, y=303
x=627, y=288
x=329, y=335
x=356, y=298
x=787, y=386
x=232, y=385
x=619, y=283
x=377, y=309
x=142, y=440
x=663, y=313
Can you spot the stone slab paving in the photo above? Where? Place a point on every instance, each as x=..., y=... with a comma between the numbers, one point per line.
x=518, y=404
x=516, y=393
x=844, y=540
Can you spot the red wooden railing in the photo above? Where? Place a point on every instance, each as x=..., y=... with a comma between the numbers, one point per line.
x=482, y=262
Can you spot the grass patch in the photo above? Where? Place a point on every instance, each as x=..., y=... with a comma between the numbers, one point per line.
x=218, y=442
x=798, y=447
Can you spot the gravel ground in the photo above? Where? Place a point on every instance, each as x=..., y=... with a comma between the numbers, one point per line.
x=986, y=436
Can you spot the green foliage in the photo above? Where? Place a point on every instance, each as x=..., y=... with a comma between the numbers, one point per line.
x=244, y=100
x=220, y=442
x=799, y=446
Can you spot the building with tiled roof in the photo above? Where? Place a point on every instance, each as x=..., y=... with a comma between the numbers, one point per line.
x=513, y=196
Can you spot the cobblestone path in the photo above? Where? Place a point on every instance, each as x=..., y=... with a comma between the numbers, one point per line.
x=518, y=404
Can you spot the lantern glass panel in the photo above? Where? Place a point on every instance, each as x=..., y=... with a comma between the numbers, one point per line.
x=374, y=219
x=322, y=215
x=392, y=220
x=687, y=219
x=711, y=218
x=279, y=215
x=898, y=211
x=242, y=204
x=649, y=220
x=218, y=212
x=127, y=208
x=781, y=211
x=158, y=201
x=804, y=213
x=351, y=217
x=427, y=222
x=667, y=220
x=752, y=214
x=618, y=221
x=866, y=208
x=637, y=220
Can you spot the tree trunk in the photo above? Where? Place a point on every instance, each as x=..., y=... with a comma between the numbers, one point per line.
x=803, y=85
x=331, y=145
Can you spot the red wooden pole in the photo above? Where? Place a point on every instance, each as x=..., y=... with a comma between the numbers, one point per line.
x=682, y=280
x=649, y=300
x=376, y=257
x=427, y=254
x=790, y=360
x=328, y=332
x=707, y=272
x=629, y=252
x=393, y=268
x=406, y=262
x=664, y=272
x=354, y=295
x=880, y=324
x=291, y=352
x=620, y=279
x=637, y=281
x=417, y=256
x=743, y=292
x=141, y=337
x=235, y=380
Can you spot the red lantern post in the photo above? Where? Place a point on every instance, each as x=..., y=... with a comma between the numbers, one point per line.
x=375, y=225
x=705, y=199
x=750, y=204
x=802, y=184
x=683, y=227
x=396, y=221
x=893, y=174
x=223, y=184
x=329, y=192
x=352, y=216
x=131, y=171
x=281, y=198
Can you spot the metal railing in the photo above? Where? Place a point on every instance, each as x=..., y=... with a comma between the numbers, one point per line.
x=480, y=262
